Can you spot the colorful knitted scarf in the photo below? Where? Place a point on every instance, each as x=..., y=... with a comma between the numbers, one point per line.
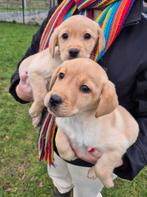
x=111, y=20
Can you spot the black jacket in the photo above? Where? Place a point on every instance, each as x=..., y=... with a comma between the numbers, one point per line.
x=126, y=65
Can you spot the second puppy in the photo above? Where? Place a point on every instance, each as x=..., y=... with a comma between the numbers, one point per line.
x=86, y=107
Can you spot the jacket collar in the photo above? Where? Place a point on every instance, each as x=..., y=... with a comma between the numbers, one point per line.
x=135, y=14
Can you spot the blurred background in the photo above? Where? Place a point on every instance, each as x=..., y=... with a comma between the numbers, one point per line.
x=25, y=11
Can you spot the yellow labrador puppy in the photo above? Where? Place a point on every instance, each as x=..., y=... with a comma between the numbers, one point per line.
x=86, y=107
x=76, y=37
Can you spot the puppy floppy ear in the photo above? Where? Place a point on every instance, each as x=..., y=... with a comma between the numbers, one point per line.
x=54, y=77
x=108, y=100
x=101, y=40
x=53, y=41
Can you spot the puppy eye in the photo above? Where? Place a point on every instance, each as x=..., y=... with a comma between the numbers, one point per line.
x=65, y=36
x=61, y=75
x=84, y=89
x=87, y=36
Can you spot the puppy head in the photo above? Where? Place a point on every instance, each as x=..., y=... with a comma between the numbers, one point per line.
x=80, y=85
x=76, y=37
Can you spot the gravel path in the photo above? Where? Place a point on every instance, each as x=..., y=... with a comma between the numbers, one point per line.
x=33, y=17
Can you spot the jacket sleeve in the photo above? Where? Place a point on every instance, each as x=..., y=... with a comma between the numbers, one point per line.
x=34, y=47
x=136, y=157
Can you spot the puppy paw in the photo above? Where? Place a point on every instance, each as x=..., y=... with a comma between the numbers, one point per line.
x=91, y=174
x=35, y=121
x=106, y=177
x=33, y=113
x=108, y=182
x=35, y=109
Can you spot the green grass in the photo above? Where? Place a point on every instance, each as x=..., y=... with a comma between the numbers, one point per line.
x=21, y=173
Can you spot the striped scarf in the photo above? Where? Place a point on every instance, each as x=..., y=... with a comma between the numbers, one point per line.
x=111, y=20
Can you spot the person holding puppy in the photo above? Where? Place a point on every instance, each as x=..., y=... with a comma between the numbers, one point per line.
x=124, y=58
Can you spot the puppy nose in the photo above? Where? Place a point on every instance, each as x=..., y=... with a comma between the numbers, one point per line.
x=55, y=100
x=73, y=52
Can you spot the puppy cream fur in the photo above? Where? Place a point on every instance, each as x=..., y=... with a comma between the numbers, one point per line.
x=90, y=116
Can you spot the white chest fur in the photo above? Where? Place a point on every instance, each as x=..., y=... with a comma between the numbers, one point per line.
x=84, y=130
x=73, y=128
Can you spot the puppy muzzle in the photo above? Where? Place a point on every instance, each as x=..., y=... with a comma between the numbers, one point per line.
x=73, y=53
x=54, y=101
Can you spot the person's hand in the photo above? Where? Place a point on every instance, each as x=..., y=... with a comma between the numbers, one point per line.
x=23, y=89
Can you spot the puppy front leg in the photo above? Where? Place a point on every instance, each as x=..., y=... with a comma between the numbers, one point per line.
x=38, y=85
x=64, y=147
x=104, y=168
